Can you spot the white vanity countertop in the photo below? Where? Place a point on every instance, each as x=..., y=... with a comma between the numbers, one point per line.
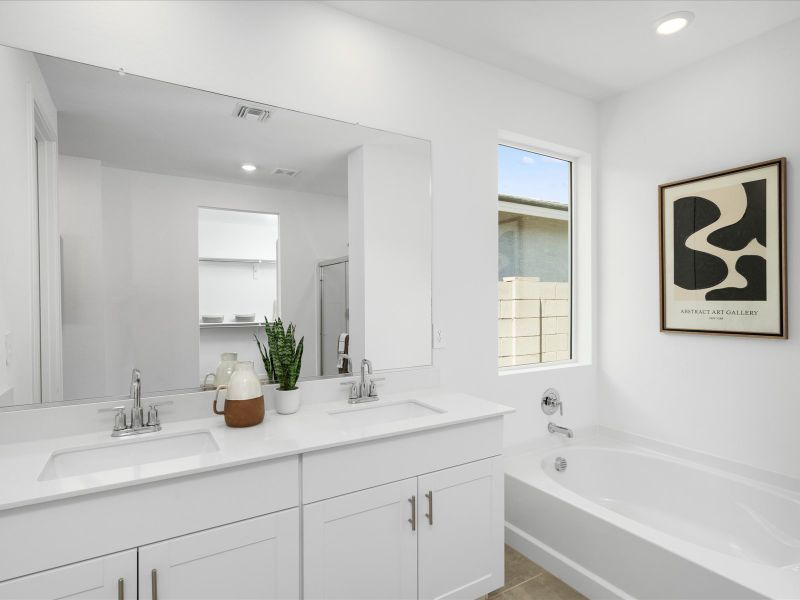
x=311, y=428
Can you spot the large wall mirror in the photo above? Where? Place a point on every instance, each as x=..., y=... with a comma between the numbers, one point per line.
x=145, y=224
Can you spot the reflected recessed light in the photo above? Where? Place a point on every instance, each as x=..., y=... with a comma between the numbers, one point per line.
x=673, y=22
x=248, y=167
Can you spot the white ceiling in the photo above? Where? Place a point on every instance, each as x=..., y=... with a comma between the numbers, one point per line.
x=591, y=48
x=148, y=125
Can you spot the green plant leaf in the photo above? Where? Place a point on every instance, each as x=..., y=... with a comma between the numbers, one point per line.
x=284, y=355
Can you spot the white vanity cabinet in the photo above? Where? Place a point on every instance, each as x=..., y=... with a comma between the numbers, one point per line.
x=435, y=535
x=397, y=514
x=105, y=578
x=256, y=558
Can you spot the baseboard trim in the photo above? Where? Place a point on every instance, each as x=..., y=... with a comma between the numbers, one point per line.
x=586, y=582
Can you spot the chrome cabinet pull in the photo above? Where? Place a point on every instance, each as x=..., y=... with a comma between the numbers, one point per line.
x=413, y=519
x=154, y=584
x=429, y=514
x=121, y=588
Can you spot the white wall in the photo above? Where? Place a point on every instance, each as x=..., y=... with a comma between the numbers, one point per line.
x=312, y=58
x=131, y=274
x=389, y=199
x=22, y=84
x=733, y=397
x=84, y=312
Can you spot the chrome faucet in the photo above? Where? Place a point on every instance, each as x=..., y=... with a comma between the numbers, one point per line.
x=137, y=412
x=551, y=402
x=553, y=428
x=364, y=390
x=136, y=424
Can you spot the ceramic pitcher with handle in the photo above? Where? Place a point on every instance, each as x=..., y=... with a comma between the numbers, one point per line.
x=244, y=402
x=226, y=367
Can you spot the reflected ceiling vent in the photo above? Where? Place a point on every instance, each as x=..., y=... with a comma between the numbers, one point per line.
x=251, y=113
x=286, y=172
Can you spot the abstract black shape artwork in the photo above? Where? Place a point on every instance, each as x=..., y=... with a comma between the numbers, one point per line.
x=723, y=252
x=695, y=270
x=754, y=270
x=752, y=225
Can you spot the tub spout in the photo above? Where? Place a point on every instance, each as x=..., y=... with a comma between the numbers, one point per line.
x=553, y=428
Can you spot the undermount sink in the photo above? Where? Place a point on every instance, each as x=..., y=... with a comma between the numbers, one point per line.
x=151, y=448
x=375, y=412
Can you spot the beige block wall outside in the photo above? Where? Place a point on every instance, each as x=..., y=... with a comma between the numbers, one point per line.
x=533, y=321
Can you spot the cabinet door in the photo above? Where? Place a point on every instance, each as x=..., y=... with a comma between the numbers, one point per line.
x=362, y=545
x=256, y=558
x=108, y=578
x=461, y=531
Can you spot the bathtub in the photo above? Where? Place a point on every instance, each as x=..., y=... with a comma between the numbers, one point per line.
x=632, y=519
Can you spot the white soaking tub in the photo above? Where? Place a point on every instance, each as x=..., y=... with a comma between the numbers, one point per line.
x=632, y=519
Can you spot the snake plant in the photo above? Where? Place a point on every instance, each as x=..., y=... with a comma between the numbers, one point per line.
x=282, y=356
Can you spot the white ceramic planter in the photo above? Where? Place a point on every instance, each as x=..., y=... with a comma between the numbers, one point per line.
x=287, y=401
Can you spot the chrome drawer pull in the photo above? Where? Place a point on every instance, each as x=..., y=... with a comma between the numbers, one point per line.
x=121, y=588
x=413, y=519
x=429, y=514
x=154, y=584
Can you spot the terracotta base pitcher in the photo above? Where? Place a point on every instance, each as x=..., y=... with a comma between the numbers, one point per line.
x=244, y=402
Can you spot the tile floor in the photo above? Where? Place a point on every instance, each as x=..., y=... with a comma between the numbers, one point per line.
x=525, y=580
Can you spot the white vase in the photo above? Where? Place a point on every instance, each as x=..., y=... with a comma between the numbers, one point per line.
x=244, y=384
x=287, y=402
x=227, y=364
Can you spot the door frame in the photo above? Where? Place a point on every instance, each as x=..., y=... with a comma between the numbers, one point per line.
x=46, y=275
x=320, y=296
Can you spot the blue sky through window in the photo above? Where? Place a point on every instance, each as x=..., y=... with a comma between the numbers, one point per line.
x=530, y=175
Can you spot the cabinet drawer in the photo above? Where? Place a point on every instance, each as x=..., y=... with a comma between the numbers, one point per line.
x=329, y=473
x=103, y=578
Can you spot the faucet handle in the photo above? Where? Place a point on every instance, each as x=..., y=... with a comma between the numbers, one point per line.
x=152, y=412
x=372, y=382
x=120, y=420
x=354, y=391
x=551, y=402
x=152, y=415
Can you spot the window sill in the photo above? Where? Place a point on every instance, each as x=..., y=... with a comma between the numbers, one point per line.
x=540, y=367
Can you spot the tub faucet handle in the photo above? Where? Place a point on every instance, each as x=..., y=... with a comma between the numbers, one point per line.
x=551, y=402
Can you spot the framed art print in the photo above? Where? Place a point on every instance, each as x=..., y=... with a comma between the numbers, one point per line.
x=723, y=252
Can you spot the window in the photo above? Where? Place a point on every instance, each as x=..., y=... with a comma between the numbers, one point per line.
x=535, y=264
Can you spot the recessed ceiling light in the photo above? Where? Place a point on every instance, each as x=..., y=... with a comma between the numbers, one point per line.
x=248, y=167
x=673, y=22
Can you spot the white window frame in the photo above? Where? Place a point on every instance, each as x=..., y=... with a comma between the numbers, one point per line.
x=580, y=248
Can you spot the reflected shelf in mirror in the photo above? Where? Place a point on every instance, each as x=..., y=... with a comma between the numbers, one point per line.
x=243, y=324
x=238, y=260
